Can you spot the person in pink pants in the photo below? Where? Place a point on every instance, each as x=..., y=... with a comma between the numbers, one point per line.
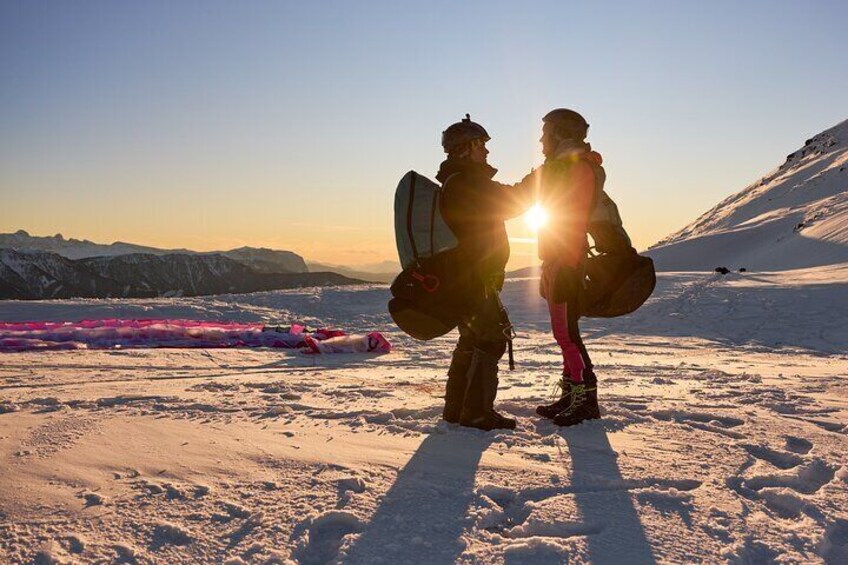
x=572, y=180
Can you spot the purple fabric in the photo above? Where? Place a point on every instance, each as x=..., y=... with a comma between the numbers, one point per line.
x=117, y=333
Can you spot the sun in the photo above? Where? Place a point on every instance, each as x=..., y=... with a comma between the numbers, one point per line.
x=536, y=218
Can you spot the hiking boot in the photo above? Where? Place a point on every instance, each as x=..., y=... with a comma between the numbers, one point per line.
x=456, y=385
x=551, y=410
x=583, y=405
x=489, y=421
x=478, y=409
x=566, y=398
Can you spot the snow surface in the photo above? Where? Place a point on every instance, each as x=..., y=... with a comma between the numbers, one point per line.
x=794, y=217
x=723, y=437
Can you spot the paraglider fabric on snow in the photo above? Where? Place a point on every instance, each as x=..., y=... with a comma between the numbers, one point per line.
x=120, y=333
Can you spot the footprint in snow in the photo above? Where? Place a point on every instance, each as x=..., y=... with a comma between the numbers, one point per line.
x=798, y=445
x=166, y=533
x=684, y=416
x=321, y=537
x=834, y=546
x=808, y=479
x=782, y=493
x=779, y=459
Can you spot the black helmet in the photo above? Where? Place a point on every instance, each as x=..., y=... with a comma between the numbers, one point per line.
x=565, y=123
x=462, y=132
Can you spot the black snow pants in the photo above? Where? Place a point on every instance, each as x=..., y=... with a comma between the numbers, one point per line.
x=483, y=337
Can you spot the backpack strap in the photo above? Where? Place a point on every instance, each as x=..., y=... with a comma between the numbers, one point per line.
x=447, y=180
x=409, y=208
x=433, y=207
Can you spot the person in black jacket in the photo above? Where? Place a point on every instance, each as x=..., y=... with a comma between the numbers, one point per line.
x=475, y=207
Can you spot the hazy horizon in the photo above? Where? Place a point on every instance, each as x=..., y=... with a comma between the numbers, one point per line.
x=213, y=125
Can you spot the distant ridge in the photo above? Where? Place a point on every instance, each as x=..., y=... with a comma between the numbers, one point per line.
x=794, y=217
x=261, y=259
x=29, y=275
x=380, y=276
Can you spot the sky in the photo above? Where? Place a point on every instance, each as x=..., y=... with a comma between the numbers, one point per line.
x=212, y=125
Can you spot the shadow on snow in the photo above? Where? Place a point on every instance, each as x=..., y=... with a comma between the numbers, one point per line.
x=423, y=515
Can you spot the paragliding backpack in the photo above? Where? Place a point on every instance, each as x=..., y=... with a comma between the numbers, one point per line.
x=428, y=295
x=617, y=279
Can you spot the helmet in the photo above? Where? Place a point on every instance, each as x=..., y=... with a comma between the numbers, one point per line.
x=462, y=132
x=565, y=123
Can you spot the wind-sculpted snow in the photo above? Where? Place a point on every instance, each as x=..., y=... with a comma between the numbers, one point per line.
x=794, y=217
x=722, y=440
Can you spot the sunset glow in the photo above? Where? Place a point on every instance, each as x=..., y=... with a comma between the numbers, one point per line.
x=536, y=218
x=288, y=125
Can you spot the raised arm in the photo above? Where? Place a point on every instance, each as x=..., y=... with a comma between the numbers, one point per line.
x=511, y=200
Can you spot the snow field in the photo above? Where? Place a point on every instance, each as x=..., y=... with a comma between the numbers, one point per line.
x=723, y=439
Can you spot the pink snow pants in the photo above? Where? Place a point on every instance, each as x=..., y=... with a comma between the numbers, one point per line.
x=562, y=306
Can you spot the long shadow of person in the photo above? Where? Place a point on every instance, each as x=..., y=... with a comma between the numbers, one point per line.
x=603, y=499
x=424, y=513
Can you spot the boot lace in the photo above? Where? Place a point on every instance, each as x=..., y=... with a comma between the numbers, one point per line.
x=561, y=387
x=578, y=395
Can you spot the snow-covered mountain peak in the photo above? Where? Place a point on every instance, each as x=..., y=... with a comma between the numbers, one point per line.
x=795, y=216
x=826, y=142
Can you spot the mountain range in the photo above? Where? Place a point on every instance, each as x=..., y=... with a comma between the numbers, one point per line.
x=33, y=267
x=262, y=259
x=33, y=274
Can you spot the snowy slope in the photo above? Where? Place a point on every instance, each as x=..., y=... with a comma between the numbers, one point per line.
x=37, y=274
x=723, y=439
x=794, y=217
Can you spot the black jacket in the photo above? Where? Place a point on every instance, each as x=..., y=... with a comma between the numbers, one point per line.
x=475, y=208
